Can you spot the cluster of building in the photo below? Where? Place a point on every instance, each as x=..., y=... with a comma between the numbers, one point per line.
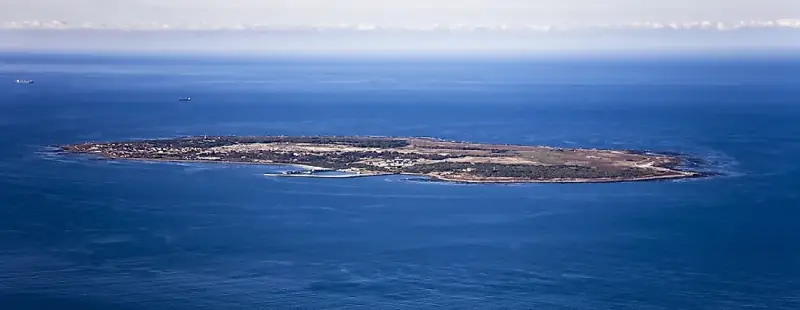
x=393, y=163
x=137, y=151
x=245, y=152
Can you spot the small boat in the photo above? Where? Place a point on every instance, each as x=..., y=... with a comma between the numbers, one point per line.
x=185, y=99
x=23, y=81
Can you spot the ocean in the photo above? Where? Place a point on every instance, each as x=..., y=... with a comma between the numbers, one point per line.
x=82, y=233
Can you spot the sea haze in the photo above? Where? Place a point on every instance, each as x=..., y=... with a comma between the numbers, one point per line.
x=81, y=233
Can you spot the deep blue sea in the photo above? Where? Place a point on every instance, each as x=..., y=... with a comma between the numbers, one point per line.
x=78, y=233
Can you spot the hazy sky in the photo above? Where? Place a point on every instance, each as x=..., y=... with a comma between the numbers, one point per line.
x=768, y=23
x=395, y=12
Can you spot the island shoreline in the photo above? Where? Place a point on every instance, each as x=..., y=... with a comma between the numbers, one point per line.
x=653, y=165
x=697, y=175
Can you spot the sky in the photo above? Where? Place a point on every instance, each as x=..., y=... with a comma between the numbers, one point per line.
x=398, y=24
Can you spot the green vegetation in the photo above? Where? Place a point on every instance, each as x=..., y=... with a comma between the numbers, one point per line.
x=532, y=172
x=208, y=142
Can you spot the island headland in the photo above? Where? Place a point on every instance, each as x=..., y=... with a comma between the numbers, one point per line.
x=438, y=159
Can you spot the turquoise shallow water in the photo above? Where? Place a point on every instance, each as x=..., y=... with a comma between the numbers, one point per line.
x=77, y=233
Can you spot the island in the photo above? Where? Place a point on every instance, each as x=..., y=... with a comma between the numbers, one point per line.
x=434, y=158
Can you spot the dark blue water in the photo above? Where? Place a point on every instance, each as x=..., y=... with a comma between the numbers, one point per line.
x=77, y=233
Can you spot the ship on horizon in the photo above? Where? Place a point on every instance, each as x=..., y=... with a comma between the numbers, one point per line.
x=23, y=81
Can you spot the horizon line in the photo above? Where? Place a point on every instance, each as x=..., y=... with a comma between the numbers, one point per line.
x=792, y=51
x=785, y=23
